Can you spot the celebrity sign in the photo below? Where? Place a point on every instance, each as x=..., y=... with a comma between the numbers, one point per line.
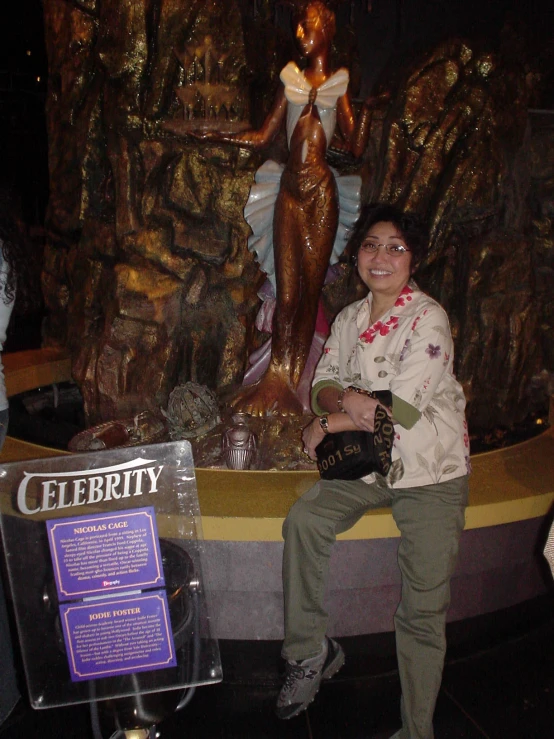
x=42, y=492
x=104, y=557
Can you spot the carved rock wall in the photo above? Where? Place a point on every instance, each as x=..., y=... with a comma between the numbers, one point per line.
x=459, y=146
x=147, y=276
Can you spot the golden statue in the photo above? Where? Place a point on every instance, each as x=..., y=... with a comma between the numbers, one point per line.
x=294, y=211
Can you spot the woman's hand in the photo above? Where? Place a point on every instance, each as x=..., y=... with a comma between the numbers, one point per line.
x=361, y=409
x=360, y=414
x=215, y=136
x=311, y=436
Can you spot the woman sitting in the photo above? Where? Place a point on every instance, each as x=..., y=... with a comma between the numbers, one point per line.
x=396, y=339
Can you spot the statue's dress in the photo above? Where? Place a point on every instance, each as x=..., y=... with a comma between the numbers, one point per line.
x=302, y=184
x=263, y=194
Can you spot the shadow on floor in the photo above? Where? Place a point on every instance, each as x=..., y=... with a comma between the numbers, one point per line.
x=495, y=687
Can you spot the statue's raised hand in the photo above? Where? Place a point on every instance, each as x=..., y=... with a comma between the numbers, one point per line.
x=200, y=135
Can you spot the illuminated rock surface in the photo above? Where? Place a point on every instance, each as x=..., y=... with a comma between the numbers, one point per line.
x=148, y=279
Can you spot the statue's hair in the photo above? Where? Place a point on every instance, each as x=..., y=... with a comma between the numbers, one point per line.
x=324, y=7
x=326, y=13
x=299, y=5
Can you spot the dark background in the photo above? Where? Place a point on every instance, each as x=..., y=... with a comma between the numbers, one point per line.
x=388, y=35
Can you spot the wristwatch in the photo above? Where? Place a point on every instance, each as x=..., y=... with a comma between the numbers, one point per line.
x=324, y=423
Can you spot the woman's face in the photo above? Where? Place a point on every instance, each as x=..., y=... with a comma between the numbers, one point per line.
x=310, y=32
x=384, y=273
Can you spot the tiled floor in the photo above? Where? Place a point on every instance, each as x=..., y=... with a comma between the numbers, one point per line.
x=498, y=684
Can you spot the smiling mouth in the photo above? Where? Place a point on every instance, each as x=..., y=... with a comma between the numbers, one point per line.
x=379, y=272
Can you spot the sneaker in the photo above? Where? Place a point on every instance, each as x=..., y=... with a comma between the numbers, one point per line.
x=302, y=679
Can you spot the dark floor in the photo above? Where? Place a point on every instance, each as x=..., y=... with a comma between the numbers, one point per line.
x=498, y=683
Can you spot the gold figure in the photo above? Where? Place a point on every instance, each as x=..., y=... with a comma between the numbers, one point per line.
x=305, y=218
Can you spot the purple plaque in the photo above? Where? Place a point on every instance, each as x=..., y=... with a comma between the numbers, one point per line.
x=95, y=557
x=106, y=552
x=117, y=636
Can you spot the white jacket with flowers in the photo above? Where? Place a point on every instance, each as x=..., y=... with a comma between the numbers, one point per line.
x=409, y=351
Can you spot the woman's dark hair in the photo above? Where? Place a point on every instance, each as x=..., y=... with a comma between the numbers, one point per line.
x=410, y=225
x=13, y=248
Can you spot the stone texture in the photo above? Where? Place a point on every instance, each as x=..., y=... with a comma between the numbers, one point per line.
x=459, y=147
x=147, y=276
x=498, y=566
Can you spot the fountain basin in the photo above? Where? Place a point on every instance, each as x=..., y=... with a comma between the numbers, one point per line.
x=500, y=563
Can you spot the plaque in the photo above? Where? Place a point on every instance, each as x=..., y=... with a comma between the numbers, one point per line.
x=95, y=557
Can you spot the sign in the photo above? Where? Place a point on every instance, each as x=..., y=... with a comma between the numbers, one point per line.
x=118, y=636
x=45, y=491
x=104, y=554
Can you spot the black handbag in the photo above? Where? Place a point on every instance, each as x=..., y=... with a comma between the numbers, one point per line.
x=350, y=455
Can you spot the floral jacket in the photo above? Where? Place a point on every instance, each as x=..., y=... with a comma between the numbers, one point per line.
x=409, y=351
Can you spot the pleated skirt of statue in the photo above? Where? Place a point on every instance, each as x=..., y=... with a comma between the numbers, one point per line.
x=259, y=212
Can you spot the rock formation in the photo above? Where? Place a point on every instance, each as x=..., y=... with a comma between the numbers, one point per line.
x=147, y=277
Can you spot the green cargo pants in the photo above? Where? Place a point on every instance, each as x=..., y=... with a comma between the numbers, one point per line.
x=430, y=519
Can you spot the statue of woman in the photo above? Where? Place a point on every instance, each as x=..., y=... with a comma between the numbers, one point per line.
x=296, y=250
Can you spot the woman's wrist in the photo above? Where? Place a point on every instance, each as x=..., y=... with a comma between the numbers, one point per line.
x=348, y=399
x=340, y=398
x=351, y=389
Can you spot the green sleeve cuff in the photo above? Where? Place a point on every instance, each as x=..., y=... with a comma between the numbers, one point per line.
x=317, y=388
x=404, y=413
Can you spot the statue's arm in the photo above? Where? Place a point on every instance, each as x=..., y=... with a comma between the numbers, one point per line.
x=346, y=119
x=356, y=133
x=254, y=139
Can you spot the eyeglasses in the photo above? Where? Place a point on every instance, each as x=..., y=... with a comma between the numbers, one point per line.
x=393, y=250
